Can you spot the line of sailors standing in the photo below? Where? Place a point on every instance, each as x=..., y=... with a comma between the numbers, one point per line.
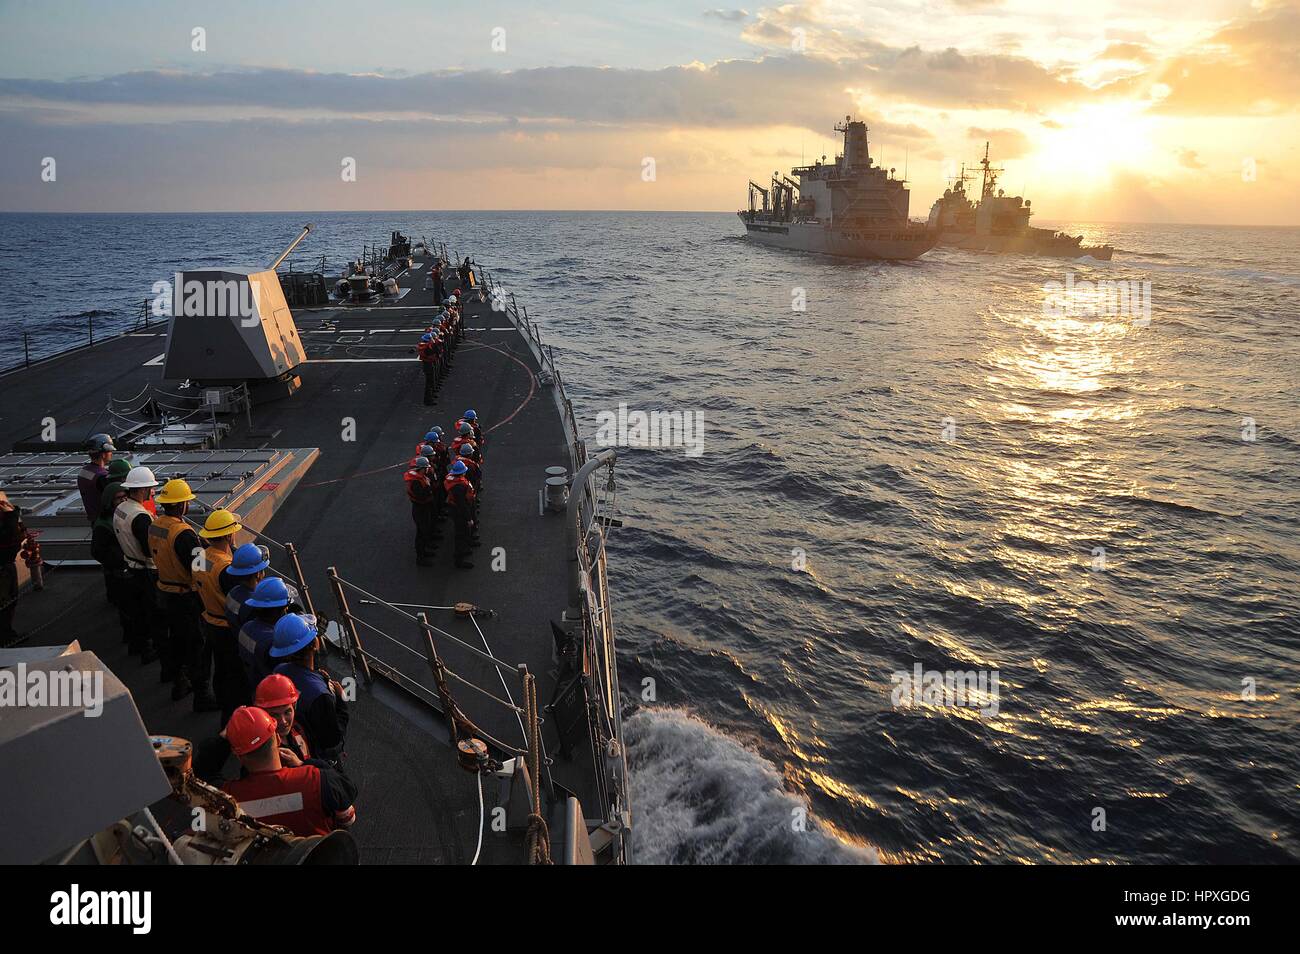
x=228, y=631
x=437, y=345
x=447, y=478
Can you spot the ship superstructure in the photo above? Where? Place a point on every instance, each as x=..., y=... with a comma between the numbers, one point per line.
x=850, y=207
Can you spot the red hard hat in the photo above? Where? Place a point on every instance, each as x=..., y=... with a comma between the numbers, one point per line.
x=275, y=690
x=249, y=729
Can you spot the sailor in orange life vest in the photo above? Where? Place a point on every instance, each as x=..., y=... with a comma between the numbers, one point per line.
x=173, y=546
x=439, y=347
x=435, y=274
x=469, y=453
x=429, y=364
x=229, y=684
x=464, y=433
x=308, y=799
x=460, y=500
x=470, y=417
x=441, y=460
x=451, y=323
x=420, y=491
x=474, y=471
x=322, y=709
x=279, y=697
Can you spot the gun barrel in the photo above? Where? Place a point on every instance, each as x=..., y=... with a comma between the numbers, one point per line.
x=306, y=229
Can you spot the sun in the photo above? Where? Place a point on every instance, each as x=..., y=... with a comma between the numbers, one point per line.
x=1089, y=145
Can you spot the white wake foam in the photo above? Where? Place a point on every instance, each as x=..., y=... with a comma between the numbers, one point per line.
x=700, y=797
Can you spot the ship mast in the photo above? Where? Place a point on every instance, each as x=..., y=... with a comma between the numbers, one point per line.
x=991, y=173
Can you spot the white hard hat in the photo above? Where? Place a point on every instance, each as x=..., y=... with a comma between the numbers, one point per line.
x=452, y=299
x=139, y=477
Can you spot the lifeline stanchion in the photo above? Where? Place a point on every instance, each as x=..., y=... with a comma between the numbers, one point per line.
x=351, y=626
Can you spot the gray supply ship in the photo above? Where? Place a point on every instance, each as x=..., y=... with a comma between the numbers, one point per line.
x=485, y=724
x=850, y=207
x=997, y=222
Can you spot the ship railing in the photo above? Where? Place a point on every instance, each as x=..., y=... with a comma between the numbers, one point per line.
x=33, y=355
x=593, y=505
x=143, y=316
x=437, y=249
x=601, y=658
x=428, y=656
x=442, y=697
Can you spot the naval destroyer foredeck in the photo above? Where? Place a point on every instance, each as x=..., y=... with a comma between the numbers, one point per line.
x=360, y=404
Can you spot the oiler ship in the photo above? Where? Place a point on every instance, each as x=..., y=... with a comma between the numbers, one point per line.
x=850, y=207
x=997, y=222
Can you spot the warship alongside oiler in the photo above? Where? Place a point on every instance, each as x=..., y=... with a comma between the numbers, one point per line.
x=853, y=208
x=484, y=712
x=997, y=222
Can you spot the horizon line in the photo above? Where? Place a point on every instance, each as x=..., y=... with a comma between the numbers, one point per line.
x=1230, y=225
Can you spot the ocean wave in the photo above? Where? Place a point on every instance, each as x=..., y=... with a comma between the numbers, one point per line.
x=1129, y=251
x=701, y=797
x=1168, y=505
x=1234, y=274
x=82, y=315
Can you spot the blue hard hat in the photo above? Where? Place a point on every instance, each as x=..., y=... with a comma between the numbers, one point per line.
x=465, y=428
x=292, y=633
x=467, y=449
x=458, y=468
x=247, y=560
x=470, y=415
x=426, y=337
x=271, y=592
x=427, y=451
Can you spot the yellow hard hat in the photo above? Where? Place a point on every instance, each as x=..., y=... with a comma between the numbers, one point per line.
x=220, y=523
x=175, y=491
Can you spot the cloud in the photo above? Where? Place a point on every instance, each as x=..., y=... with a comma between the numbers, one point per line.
x=730, y=93
x=806, y=90
x=1003, y=143
x=730, y=16
x=947, y=78
x=1127, y=53
x=269, y=164
x=1249, y=67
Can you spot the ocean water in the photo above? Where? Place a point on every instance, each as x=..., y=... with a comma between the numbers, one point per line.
x=923, y=466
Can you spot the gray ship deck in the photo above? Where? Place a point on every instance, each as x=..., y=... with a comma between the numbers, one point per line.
x=350, y=511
